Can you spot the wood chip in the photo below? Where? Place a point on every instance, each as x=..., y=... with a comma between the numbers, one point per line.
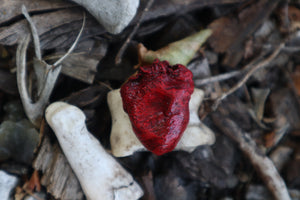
x=58, y=176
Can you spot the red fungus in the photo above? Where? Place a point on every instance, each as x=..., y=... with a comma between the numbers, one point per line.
x=156, y=99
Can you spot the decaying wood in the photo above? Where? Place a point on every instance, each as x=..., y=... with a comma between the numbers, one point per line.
x=57, y=20
x=58, y=176
x=45, y=24
x=259, y=160
x=80, y=67
x=11, y=9
x=82, y=64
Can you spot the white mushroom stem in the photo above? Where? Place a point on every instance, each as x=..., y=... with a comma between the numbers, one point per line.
x=114, y=15
x=124, y=141
x=100, y=176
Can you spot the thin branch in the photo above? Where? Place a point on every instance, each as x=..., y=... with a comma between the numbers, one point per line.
x=73, y=45
x=47, y=74
x=34, y=32
x=226, y=76
x=256, y=67
x=21, y=69
x=263, y=165
x=119, y=56
x=218, y=78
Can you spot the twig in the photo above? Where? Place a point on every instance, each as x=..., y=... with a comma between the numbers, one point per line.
x=263, y=165
x=73, y=45
x=248, y=75
x=46, y=74
x=34, y=33
x=119, y=56
x=218, y=78
x=225, y=76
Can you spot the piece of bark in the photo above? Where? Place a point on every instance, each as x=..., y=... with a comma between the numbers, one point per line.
x=12, y=9
x=82, y=64
x=57, y=21
x=58, y=176
x=50, y=26
x=80, y=67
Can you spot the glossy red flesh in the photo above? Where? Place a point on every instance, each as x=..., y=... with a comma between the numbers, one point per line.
x=157, y=102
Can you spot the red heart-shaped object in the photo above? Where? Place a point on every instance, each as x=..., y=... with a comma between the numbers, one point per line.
x=156, y=99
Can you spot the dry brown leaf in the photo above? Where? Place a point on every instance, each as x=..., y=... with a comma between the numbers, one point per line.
x=34, y=182
x=289, y=17
x=269, y=139
x=223, y=33
x=147, y=182
x=230, y=32
x=296, y=79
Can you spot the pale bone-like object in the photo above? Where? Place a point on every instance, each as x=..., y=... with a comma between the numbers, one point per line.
x=46, y=74
x=7, y=185
x=114, y=15
x=124, y=142
x=100, y=176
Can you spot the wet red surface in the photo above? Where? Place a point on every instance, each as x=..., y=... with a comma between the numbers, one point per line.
x=157, y=102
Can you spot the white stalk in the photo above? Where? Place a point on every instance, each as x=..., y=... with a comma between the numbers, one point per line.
x=114, y=15
x=100, y=176
x=124, y=141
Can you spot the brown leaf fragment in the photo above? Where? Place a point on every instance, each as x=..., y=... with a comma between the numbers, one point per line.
x=223, y=33
x=289, y=17
x=147, y=183
x=34, y=182
x=296, y=79
x=269, y=139
x=230, y=32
